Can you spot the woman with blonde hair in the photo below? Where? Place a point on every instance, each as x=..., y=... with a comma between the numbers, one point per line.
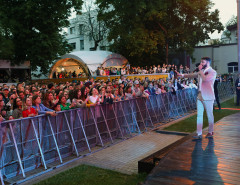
x=28, y=110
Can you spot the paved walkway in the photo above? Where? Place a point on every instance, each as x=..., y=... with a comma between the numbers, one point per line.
x=122, y=157
x=206, y=161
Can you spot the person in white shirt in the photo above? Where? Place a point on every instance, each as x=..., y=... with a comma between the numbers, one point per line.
x=157, y=89
x=206, y=78
x=101, y=71
x=154, y=69
x=94, y=98
x=123, y=71
x=192, y=85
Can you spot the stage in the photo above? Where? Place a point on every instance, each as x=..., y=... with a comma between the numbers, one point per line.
x=207, y=161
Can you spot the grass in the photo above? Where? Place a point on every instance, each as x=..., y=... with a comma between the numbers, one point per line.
x=89, y=175
x=189, y=124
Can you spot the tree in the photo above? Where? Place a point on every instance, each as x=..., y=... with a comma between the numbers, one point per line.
x=31, y=30
x=232, y=21
x=149, y=28
x=216, y=42
x=95, y=29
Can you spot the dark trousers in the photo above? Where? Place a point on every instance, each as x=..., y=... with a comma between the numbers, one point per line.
x=238, y=96
x=217, y=100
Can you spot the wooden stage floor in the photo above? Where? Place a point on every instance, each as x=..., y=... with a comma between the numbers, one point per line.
x=206, y=161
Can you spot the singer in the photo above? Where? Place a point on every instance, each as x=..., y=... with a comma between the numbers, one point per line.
x=205, y=99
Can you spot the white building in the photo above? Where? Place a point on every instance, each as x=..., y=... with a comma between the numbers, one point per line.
x=80, y=33
x=224, y=56
x=233, y=35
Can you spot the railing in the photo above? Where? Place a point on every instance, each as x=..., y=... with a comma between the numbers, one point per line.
x=42, y=142
x=225, y=90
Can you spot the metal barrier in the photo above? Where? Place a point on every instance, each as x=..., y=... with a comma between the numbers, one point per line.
x=225, y=90
x=42, y=142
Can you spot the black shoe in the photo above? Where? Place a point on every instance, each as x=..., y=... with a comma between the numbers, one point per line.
x=197, y=137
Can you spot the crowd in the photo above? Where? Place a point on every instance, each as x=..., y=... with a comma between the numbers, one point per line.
x=127, y=70
x=26, y=100
x=101, y=71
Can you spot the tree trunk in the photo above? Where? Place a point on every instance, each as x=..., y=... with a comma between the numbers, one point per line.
x=167, y=53
x=95, y=46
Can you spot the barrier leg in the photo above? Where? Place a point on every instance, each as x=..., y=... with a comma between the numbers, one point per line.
x=194, y=102
x=141, y=114
x=175, y=104
x=105, y=120
x=125, y=118
x=166, y=110
x=179, y=103
x=153, y=111
x=149, y=113
x=95, y=122
x=1, y=177
x=181, y=99
x=117, y=121
x=74, y=144
x=188, y=98
x=171, y=111
x=39, y=146
x=159, y=107
x=134, y=116
x=55, y=141
x=17, y=151
x=84, y=133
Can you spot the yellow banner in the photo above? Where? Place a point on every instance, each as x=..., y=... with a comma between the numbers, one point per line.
x=105, y=78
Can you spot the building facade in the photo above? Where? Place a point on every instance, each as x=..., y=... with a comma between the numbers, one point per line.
x=224, y=56
x=84, y=30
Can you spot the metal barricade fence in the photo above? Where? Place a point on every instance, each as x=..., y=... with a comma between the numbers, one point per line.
x=225, y=90
x=43, y=141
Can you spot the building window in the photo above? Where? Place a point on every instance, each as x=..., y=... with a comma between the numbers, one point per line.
x=73, y=45
x=72, y=30
x=81, y=29
x=232, y=67
x=81, y=44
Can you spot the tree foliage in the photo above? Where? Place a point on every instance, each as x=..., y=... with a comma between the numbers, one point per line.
x=31, y=30
x=94, y=28
x=226, y=32
x=140, y=28
x=232, y=21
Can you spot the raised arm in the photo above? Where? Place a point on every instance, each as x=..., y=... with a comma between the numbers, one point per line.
x=191, y=75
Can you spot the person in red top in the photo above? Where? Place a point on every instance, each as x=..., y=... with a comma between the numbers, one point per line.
x=28, y=111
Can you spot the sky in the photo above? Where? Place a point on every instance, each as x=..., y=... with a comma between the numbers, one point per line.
x=227, y=8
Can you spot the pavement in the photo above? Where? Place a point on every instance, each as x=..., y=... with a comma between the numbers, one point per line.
x=121, y=157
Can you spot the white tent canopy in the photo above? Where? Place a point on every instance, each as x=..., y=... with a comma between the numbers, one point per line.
x=95, y=59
